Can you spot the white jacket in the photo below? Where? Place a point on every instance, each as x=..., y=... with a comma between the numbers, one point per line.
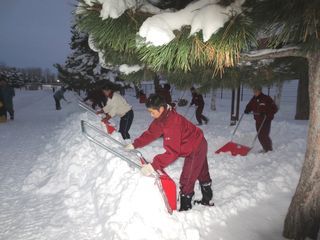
x=117, y=105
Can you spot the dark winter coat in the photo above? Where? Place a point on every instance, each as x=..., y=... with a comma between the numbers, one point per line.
x=7, y=95
x=3, y=112
x=97, y=98
x=180, y=137
x=260, y=106
x=59, y=94
x=165, y=93
x=197, y=99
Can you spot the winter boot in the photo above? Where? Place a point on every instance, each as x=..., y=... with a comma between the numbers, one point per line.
x=185, y=202
x=206, y=195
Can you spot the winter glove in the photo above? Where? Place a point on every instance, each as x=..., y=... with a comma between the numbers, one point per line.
x=106, y=119
x=147, y=169
x=246, y=111
x=129, y=147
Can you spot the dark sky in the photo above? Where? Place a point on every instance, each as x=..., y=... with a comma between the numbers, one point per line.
x=35, y=33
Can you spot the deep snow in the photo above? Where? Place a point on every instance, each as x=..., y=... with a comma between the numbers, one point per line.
x=57, y=185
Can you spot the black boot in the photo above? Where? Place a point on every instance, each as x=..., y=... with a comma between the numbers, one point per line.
x=206, y=195
x=185, y=202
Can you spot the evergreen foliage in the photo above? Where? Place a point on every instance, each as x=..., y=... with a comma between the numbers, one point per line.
x=82, y=68
x=220, y=51
x=288, y=22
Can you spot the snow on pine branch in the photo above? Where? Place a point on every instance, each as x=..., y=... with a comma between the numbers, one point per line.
x=115, y=8
x=126, y=69
x=203, y=15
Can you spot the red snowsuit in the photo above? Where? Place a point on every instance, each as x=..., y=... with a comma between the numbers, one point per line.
x=262, y=106
x=181, y=138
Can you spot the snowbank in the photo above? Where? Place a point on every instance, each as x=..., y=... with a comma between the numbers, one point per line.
x=105, y=198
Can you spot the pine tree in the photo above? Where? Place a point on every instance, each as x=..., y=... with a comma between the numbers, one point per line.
x=82, y=68
x=296, y=23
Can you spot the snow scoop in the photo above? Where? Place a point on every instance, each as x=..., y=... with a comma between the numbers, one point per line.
x=166, y=185
x=110, y=127
x=236, y=148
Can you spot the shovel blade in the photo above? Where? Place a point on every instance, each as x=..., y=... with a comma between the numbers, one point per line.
x=234, y=149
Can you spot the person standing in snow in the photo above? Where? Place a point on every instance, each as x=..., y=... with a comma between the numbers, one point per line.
x=263, y=107
x=3, y=112
x=197, y=100
x=58, y=95
x=181, y=138
x=118, y=106
x=7, y=95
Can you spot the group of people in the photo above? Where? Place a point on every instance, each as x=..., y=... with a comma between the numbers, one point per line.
x=182, y=138
x=6, y=101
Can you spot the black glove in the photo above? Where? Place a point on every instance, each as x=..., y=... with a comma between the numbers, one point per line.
x=246, y=111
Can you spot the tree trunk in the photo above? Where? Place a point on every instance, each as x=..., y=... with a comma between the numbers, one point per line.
x=303, y=104
x=303, y=217
x=213, y=100
x=277, y=97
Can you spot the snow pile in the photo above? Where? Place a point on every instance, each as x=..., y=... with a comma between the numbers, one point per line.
x=103, y=195
x=105, y=198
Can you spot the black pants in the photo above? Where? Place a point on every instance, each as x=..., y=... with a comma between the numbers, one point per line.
x=125, y=124
x=199, y=115
x=10, y=111
x=263, y=135
x=58, y=106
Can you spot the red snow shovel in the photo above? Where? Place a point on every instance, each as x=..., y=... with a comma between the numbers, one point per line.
x=110, y=128
x=167, y=187
x=236, y=148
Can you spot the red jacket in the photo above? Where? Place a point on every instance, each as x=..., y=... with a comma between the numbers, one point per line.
x=180, y=137
x=260, y=105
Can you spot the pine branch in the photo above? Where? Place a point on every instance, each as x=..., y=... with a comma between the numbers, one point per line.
x=273, y=53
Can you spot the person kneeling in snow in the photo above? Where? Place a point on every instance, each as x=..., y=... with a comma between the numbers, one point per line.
x=181, y=138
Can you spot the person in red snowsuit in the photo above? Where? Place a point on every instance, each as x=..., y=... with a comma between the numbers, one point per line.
x=262, y=107
x=181, y=138
x=197, y=100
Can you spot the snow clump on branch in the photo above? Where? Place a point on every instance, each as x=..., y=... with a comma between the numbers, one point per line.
x=205, y=15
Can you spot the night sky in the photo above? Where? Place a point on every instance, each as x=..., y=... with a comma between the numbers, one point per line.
x=35, y=33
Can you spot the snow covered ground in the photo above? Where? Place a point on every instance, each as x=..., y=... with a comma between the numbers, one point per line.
x=55, y=184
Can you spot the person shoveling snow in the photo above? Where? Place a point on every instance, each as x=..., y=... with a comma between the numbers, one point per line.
x=181, y=138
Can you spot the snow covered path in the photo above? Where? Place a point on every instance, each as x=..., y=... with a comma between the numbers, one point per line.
x=25, y=215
